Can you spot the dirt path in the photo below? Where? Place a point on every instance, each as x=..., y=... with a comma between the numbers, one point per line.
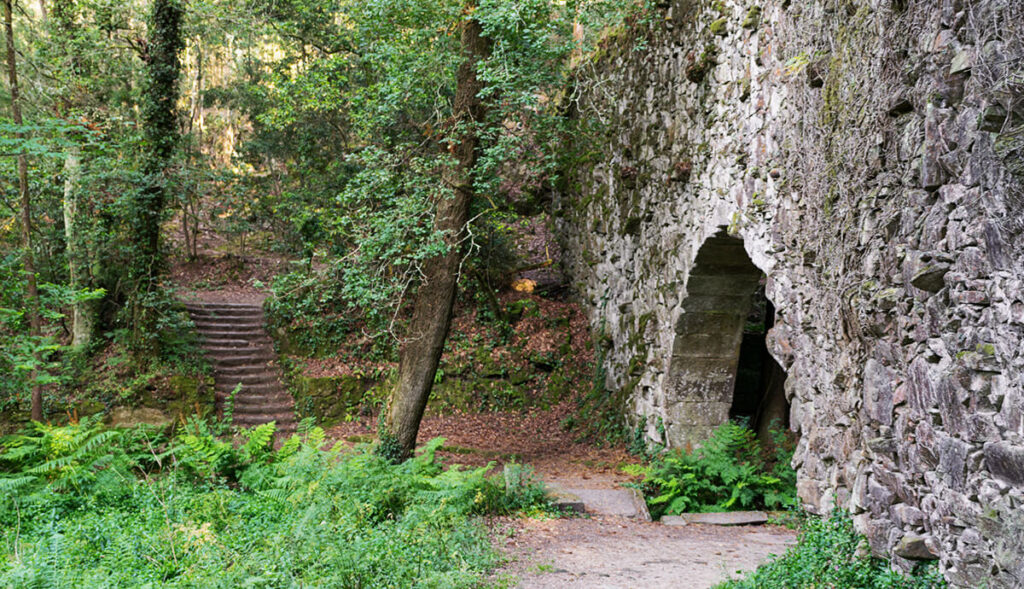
x=595, y=551
x=612, y=552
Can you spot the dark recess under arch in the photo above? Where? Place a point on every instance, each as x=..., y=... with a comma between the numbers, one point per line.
x=720, y=333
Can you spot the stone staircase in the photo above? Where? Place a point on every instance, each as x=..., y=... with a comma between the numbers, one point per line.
x=241, y=352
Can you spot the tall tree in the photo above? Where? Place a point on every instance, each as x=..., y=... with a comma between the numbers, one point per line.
x=63, y=30
x=28, y=260
x=160, y=129
x=421, y=352
x=83, y=312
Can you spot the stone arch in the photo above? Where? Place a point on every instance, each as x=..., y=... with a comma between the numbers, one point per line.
x=701, y=385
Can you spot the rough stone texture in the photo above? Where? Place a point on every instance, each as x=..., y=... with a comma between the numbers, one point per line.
x=131, y=417
x=731, y=518
x=869, y=156
x=617, y=502
x=329, y=399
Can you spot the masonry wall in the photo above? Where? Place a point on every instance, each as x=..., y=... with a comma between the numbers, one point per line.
x=870, y=155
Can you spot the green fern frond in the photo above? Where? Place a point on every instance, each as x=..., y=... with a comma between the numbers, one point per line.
x=16, y=484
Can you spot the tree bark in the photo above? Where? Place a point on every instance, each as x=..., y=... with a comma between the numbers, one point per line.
x=160, y=128
x=31, y=290
x=83, y=313
x=432, y=310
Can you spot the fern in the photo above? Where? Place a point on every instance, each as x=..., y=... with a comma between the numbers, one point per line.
x=201, y=452
x=78, y=457
x=229, y=410
x=259, y=442
x=727, y=473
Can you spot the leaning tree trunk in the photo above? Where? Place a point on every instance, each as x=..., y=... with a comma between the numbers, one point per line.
x=432, y=310
x=31, y=290
x=160, y=128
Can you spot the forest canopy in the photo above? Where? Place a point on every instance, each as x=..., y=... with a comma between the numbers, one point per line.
x=380, y=144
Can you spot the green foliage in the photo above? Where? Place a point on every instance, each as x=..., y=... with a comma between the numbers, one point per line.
x=388, y=447
x=26, y=359
x=382, y=75
x=830, y=553
x=302, y=515
x=727, y=473
x=64, y=458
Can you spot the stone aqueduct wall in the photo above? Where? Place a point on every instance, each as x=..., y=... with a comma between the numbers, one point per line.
x=870, y=155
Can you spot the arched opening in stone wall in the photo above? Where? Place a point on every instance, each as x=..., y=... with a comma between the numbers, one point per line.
x=720, y=366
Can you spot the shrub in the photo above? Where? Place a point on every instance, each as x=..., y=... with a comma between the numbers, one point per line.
x=227, y=515
x=75, y=458
x=727, y=473
x=827, y=555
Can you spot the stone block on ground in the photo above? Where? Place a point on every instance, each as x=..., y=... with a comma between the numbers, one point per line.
x=673, y=520
x=729, y=518
x=618, y=502
x=131, y=417
x=566, y=501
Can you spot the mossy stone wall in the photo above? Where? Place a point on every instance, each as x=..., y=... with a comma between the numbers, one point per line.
x=868, y=154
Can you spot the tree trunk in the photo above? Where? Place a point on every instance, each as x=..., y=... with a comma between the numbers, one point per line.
x=432, y=310
x=160, y=129
x=31, y=290
x=83, y=313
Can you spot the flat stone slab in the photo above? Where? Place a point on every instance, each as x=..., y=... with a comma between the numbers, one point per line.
x=619, y=502
x=566, y=501
x=729, y=518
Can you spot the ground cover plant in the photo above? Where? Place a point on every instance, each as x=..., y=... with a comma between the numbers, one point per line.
x=828, y=554
x=729, y=472
x=86, y=506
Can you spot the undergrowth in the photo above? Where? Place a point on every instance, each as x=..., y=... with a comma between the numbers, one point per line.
x=829, y=553
x=85, y=506
x=729, y=472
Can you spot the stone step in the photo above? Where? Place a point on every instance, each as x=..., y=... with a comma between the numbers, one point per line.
x=618, y=502
x=230, y=375
x=244, y=378
x=246, y=334
x=190, y=305
x=228, y=351
x=282, y=418
x=227, y=314
x=249, y=398
x=729, y=518
x=206, y=325
x=254, y=359
x=249, y=390
x=234, y=342
x=259, y=401
x=263, y=409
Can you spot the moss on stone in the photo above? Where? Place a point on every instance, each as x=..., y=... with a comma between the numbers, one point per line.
x=718, y=27
x=329, y=399
x=752, y=19
x=986, y=349
x=631, y=226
